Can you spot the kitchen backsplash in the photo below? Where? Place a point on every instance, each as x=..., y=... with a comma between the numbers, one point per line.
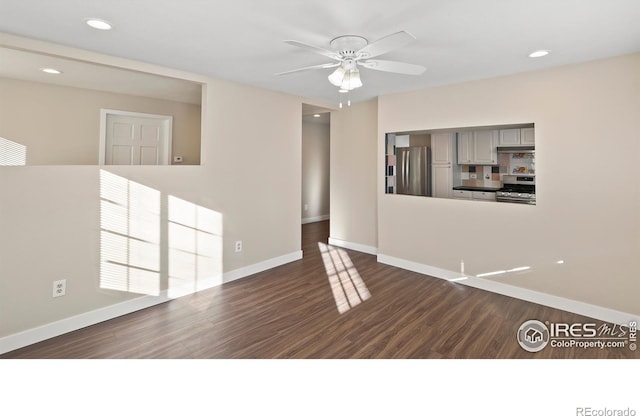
x=486, y=176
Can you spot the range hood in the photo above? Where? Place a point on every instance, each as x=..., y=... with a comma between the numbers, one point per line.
x=516, y=149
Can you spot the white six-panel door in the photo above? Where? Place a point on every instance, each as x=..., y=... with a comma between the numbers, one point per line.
x=135, y=138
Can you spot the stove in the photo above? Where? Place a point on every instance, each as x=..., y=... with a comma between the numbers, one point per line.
x=517, y=189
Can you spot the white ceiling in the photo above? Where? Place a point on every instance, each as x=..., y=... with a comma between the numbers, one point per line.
x=242, y=40
x=22, y=65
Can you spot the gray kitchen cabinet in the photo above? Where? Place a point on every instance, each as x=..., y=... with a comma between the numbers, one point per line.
x=485, y=143
x=441, y=164
x=517, y=137
x=510, y=137
x=460, y=194
x=442, y=180
x=527, y=136
x=465, y=147
x=484, y=196
x=478, y=147
x=473, y=195
x=441, y=149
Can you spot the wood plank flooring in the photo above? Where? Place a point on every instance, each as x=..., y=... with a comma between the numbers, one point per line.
x=290, y=312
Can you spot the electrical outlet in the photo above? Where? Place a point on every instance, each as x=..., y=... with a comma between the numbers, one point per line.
x=238, y=246
x=59, y=288
x=473, y=176
x=306, y=207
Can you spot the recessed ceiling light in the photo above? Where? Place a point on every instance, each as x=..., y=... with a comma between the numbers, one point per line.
x=99, y=24
x=51, y=71
x=316, y=115
x=539, y=53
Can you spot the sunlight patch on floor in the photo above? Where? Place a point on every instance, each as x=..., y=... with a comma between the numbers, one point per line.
x=349, y=290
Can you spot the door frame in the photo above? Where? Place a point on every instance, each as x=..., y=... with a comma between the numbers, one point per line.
x=104, y=112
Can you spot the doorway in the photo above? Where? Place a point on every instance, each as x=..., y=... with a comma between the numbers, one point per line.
x=316, y=126
x=128, y=138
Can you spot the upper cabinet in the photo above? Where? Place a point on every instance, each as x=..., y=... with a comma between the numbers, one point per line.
x=517, y=137
x=441, y=148
x=510, y=137
x=485, y=143
x=527, y=136
x=478, y=147
x=465, y=146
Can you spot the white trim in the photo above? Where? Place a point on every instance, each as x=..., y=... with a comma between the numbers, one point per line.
x=104, y=112
x=315, y=219
x=63, y=326
x=260, y=267
x=418, y=267
x=353, y=246
x=545, y=299
x=102, y=149
x=53, y=329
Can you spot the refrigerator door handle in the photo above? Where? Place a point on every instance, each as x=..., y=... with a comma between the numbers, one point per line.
x=407, y=170
x=402, y=174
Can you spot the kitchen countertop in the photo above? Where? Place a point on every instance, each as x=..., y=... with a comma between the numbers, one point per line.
x=474, y=188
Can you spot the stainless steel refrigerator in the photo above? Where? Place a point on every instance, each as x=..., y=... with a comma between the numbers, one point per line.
x=413, y=174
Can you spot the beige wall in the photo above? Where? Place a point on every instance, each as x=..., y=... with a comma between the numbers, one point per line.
x=61, y=125
x=353, y=183
x=315, y=169
x=587, y=119
x=50, y=215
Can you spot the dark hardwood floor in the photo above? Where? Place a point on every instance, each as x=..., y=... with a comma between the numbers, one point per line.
x=291, y=312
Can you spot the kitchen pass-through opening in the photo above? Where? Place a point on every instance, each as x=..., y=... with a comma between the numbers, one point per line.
x=487, y=163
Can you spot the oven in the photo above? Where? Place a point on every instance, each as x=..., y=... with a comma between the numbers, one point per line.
x=517, y=189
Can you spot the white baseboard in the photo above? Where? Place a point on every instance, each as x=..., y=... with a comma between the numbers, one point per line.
x=262, y=266
x=63, y=326
x=581, y=308
x=53, y=329
x=315, y=219
x=353, y=246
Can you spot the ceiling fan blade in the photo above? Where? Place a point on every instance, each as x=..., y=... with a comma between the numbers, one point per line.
x=329, y=65
x=386, y=44
x=315, y=49
x=393, y=66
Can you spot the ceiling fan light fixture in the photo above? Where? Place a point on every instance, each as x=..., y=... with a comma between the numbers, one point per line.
x=346, y=85
x=337, y=76
x=351, y=80
x=354, y=79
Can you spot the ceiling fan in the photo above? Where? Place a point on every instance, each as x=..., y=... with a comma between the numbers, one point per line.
x=351, y=51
